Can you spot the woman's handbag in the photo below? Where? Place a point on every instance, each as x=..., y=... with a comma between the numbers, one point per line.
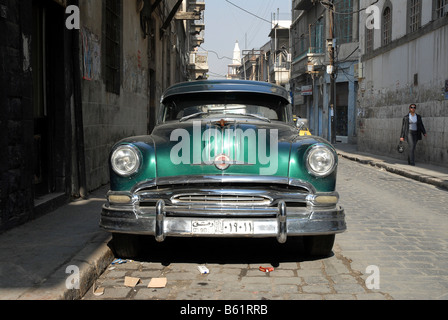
x=400, y=147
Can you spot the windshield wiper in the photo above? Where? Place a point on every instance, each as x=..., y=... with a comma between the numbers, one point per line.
x=194, y=115
x=253, y=115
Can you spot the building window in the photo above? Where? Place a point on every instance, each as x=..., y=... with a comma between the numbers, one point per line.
x=369, y=39
x=344, y=21
x=414, y=15
x=440, y=8
x=113, y=45
x=387, y=26
x=317, y=37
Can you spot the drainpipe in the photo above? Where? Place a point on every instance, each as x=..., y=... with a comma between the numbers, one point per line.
x=79, y=125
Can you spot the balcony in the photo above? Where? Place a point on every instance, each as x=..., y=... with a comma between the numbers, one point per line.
x=196, y=29
x=198, y=65
x=194, y=11
x=303, y=4
x=196, y=6
x=196, y=41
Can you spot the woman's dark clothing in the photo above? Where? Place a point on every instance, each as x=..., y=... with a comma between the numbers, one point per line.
x=412, y=136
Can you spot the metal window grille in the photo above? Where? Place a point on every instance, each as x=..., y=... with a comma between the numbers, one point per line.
x=301, y=45
x=387, y=26
x=317, y=37
x=113, y=45
x=414, y=15
x=369, y=40
x=441, y=8
x=344, y=21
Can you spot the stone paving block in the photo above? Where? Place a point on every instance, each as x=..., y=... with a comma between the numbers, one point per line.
x=343, y=296
x=317, y=288
x=348, y=288
x=305, y=296
x=286, y=288
x=152, y=294
x=116, y=293
x=315, y=279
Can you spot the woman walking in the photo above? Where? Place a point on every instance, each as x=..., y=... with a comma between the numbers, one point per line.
x=411, y=131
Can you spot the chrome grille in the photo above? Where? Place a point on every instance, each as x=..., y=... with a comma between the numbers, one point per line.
x=231, y=200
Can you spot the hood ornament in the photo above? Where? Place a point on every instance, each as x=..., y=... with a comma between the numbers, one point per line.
x=222, y=162
x=221, y=123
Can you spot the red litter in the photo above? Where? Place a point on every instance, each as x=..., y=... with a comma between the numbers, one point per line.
x=263, y=269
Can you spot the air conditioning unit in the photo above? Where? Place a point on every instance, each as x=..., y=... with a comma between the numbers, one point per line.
x=192, y=58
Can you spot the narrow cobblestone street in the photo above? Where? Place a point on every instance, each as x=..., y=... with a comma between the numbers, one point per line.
x=395, y=224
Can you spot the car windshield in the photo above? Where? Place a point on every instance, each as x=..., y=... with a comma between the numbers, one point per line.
x=213, y=105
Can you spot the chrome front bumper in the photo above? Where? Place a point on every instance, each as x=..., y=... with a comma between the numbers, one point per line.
x=211, y=211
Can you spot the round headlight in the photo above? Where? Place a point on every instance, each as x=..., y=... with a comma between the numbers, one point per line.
x=321, y=160
x=125, y=160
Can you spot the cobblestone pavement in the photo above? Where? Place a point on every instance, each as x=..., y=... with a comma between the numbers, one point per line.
x=395, y=248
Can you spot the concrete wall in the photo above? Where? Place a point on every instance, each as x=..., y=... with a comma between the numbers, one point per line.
x=109, y=117
x=16, y=117
x=412, y=69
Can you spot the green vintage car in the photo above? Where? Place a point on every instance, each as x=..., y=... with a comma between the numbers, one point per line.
x=224, y=160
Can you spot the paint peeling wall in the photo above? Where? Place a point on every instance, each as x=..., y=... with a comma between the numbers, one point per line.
x=109, y=117
x=413, y=69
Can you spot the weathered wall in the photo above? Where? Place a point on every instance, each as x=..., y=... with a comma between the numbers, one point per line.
x=109, y=117
x=16, y=116
x=412, y=71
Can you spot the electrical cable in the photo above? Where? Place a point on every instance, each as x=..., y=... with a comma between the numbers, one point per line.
x=270, y=22
x=217, y=55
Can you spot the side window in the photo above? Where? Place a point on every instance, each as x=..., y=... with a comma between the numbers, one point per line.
x=387, y=25
x=440, y=9
x=113, y=44
x=414, y=15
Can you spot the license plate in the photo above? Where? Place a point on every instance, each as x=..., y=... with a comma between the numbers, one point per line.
x=222, y=227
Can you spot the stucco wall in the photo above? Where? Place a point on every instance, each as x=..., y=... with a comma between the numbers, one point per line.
x=109, y=117
x=412, y=71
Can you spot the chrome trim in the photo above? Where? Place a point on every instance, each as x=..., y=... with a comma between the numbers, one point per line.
x=201, y=179
x=196, y=198
x=139, y=158
x=307, y=160
x=284, y=224
x=160, y=217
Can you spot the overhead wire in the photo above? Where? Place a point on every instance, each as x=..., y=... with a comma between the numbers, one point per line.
x=216, y=53
x=233, y=4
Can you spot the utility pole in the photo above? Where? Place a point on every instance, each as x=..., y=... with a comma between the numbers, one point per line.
x=331, y=68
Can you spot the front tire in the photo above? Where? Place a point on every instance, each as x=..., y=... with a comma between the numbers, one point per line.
x=319, y=245
x=126, y=246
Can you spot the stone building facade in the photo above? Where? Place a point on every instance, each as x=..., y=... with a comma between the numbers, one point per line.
x=404, y=61
x=76, y=76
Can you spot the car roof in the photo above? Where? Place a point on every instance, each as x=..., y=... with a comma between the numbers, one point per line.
x=203, y=86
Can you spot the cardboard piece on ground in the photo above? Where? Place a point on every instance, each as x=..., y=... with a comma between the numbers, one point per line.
x=131, y=282
x=157, y=283
x=98, y=291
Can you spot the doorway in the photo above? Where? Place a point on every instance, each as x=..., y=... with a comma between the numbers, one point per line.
x=48, y=70
x=342, y=112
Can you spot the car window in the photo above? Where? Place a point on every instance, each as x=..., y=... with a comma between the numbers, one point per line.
x=224, y=104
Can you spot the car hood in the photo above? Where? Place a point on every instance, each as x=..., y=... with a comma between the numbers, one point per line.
x=254, y=148
x=222, y=148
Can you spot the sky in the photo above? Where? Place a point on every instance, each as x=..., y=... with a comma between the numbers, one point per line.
x=225, y=24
